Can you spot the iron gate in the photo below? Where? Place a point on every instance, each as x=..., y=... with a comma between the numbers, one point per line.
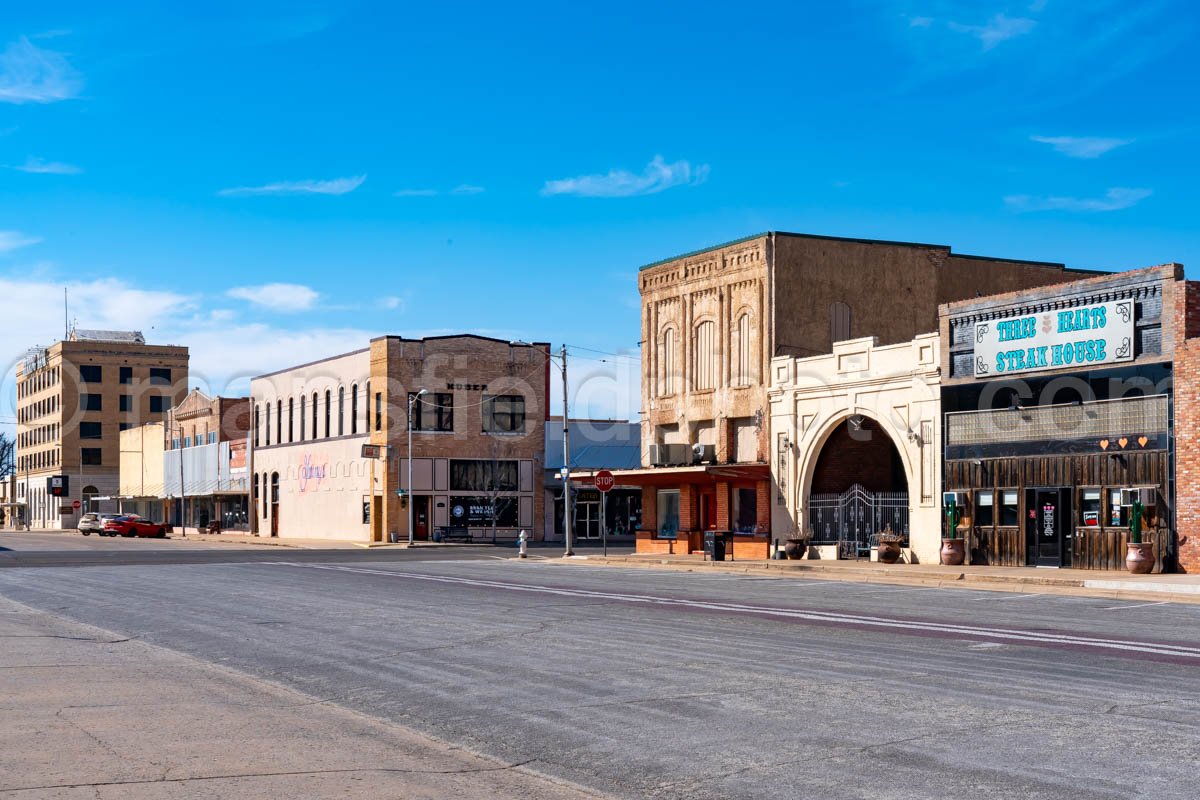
x=851, y=518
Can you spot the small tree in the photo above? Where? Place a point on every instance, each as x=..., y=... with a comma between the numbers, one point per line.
x=7, y=455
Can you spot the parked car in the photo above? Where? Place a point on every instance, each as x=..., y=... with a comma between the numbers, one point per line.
x=92, y=522
x=133, y=525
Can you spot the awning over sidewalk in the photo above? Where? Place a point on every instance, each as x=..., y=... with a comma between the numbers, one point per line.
x=674, y=476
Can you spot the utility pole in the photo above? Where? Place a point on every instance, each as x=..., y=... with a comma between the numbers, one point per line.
x=567, y=532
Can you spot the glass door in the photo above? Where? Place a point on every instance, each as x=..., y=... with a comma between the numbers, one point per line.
x=1046, y=520
x=587, y=519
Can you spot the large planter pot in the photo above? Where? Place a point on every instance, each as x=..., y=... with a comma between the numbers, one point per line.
x=889, y=552
x=795, y=549
x=954, y=552
x=1139, y=558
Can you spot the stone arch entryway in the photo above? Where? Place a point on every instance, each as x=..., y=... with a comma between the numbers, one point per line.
x=857, y=487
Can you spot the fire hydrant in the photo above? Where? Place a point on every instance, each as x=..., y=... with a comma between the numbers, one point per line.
x=522, y=545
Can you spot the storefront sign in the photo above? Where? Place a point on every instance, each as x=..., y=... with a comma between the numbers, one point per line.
x=1084, y=336
x=477, y=512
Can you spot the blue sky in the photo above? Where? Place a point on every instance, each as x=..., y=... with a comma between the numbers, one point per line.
x=430, y=168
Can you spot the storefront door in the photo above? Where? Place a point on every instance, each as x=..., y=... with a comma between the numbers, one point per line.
x=587, y=519
x=420, y=517
x=708, y=511
x=1047, y=515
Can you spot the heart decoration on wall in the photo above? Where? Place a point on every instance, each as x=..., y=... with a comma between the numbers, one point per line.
x=1122, y=441
x=1104, y=444
x=1143, y=441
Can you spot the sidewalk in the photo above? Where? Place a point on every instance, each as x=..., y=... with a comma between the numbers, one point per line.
x=1083, y=583
x=86, y=714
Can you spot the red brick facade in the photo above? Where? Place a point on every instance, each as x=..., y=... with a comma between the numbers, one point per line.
x=1187, y=426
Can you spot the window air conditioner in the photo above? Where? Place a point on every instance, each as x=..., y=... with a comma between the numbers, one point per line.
x=704, y=454
x=1146, y=496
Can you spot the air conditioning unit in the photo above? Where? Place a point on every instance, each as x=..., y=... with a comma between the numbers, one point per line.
x=658, y=455
x=958, y=499
x=704, y=454
x=1146, y=496
x=678, y=455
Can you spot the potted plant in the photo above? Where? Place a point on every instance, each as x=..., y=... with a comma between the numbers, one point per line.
x=796, y=546
x=889, y=544
x=953, y=547
x=1139, y=555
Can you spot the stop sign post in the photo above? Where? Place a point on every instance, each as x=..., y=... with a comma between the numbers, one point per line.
x=604, y=482
x=76, y=505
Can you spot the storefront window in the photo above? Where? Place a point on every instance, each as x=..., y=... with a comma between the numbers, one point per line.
x=745, y=510
x=1118, y=515
x=483, y=476
x=1009, y=515
x=985, y=509
x=1089, y=508
x=668, y=513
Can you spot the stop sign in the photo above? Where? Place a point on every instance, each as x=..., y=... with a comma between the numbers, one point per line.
x=76, y=505
x=604, y=480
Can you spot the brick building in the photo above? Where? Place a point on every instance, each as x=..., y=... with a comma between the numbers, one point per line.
x=1058, y=403
x=478, y=440
x=73, y=399
x=712, y=320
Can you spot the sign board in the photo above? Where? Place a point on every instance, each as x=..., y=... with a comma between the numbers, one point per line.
x=372, y=450
x=477, y=512
x=604, y=480
x=58, y=485
x=1082, y=336
x=65, y=510
x=76, y=504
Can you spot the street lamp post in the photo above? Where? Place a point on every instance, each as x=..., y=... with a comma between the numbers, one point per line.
x=409, y=499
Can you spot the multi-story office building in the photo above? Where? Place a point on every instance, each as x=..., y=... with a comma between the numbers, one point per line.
x=73, y=400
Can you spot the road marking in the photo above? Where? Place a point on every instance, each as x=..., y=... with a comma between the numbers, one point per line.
x=1139, y=605
x=1014, y=597
x=1124, y=646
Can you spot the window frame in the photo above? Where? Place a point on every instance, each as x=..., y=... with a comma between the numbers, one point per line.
x=516, y=419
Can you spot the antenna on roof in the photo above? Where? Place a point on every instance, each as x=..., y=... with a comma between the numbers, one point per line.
x=66, y=317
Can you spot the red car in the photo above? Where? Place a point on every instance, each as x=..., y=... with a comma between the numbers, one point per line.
x=133, y=525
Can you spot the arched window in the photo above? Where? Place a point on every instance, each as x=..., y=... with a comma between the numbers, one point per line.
x=301, y=418
x=267, y=427
x=367, y=408
x=354, y=409
x=315, y=435
x=257, y=420
x=279, y=422
x=744, y=364
x=341, y=410
x=291, y=420
x=264, y=495
x=839, y=322
x=704, y=356
x=328, y=398
x=668, y=366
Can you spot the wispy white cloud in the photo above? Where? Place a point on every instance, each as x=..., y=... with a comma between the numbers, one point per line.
x=920, y=22
x=285, y=297
x=466, y=189
x=1081, y=146
x=1114, y=199
x=658, y=176
x=30, y=74
x=415, y=193
x=14, y=240
x=1000, y=28
x=40, y=166
x=392, y=303
x=335, y=186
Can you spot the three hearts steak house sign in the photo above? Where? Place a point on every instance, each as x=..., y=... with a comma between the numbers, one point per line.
x=1099, y=333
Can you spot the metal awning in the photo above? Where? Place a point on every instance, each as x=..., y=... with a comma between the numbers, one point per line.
x=673, y=476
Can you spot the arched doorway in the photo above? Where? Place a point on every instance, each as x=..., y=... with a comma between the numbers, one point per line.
x=859, y=488
x=88, y=499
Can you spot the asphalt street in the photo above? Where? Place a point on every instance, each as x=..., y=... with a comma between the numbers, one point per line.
x=640, y=683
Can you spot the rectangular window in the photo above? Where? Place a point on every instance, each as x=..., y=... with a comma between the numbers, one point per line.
x=187, y=441
x=124, y=426
x=745, y=510
x=160, y=376
x=126, y=374
x=378, y=410
x=1089, y=508
x=668, y=513
x=90, y=373
x=1118, y=515
x=212, y=437
x=985, y=509
x=158, y=404
x=504, y=413
x=89, y=430
x=126, y=402
x=174, y=444
x=432, y=412
x=1009, y=513
x=90, y=402
x=90, y=456
x=483, y=476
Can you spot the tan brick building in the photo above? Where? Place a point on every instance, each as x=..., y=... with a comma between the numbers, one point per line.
x=478, y=440
x=73, y=399
x=206, y=453
x=712, y=320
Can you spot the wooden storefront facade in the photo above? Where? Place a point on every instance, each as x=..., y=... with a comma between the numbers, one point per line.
x=1055, y=402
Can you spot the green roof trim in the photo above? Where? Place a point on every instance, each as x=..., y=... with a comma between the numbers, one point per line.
x=704, y=250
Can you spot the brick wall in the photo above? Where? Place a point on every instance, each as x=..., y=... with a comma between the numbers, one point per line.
x=1187, y=453
x=865, y=456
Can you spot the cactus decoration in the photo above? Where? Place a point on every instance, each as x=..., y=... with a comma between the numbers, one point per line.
x=1136, y=512
x=953, y=516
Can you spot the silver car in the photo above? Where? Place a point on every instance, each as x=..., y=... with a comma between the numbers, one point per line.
x=92, y=522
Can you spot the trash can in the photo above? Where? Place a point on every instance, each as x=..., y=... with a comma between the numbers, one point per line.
x=714, y=545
